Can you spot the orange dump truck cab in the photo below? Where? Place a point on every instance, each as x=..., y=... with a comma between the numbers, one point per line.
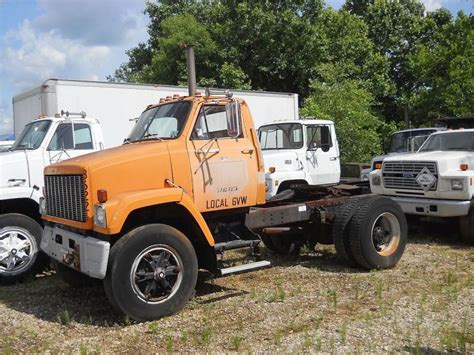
x=188, y=184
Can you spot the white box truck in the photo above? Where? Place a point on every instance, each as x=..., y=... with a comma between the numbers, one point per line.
x=45, y=136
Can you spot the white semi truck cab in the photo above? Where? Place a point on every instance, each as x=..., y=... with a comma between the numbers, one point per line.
x=43, y=142
x=438, y=180
x=302, y=151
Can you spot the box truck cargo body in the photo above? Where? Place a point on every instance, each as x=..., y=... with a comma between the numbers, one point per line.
x=115, y=104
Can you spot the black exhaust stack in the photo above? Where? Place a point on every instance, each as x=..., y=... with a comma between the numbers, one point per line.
x=191, y=66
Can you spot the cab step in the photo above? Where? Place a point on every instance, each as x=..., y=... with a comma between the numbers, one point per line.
x=245, y=267
x=235, y=244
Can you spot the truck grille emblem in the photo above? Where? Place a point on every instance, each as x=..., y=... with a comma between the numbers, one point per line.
x=425, y=179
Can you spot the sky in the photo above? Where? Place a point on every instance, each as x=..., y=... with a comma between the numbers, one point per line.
x=82, y=40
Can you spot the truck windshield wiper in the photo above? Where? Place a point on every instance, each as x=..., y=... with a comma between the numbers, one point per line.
x=22, y=147
x=150, y=136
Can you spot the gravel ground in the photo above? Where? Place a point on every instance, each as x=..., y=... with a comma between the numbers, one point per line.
x=311, y=303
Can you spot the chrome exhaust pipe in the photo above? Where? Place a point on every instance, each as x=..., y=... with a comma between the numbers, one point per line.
x=191, y=67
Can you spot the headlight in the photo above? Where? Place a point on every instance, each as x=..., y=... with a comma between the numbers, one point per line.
x=100, y=218
x=457, y=185
x=42, y=206
x=376, y=180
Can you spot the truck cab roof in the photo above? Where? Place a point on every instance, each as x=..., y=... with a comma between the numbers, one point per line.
x=304, y=122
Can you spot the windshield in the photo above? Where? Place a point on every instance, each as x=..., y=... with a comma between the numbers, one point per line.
x=161, y=122
x=281, y=136
x=400, y=142
x=32, y=135
x=463, y=141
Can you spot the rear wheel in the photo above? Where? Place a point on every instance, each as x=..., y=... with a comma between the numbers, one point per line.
x=152, y=272
x=20, y=257
x=466, y=227
x=340, y=231
x=378, y=233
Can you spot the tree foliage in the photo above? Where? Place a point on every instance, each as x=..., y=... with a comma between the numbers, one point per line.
x=364, y=65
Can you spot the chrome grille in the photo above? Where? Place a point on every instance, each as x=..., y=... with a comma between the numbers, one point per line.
x=65, y=197
x=402, y=174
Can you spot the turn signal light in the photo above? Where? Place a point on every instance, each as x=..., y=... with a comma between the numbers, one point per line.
x=464, y=167
x=102, y=196
x=271, y=169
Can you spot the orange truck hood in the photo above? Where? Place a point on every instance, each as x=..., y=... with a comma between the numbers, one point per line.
x=130, y=167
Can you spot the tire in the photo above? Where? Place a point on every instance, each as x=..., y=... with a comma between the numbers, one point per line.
x=378, y=233
x=281, y=245
x=340, y=231
x=20, y=256
x=466, y=227
x=73, y=278
x=160, y=286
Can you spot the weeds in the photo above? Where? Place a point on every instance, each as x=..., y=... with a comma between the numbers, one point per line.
x=153, y=327
x=332, y=297
x=235, y=342
x=64, y=318
x=277, y=338
x=169, y=344
x=278, y=296
x=343, y=332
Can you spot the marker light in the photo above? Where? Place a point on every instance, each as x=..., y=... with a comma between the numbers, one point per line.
x=464, y=167
x=102, y=196
x=378, y=165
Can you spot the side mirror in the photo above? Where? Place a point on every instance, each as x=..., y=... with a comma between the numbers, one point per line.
x=233, y=118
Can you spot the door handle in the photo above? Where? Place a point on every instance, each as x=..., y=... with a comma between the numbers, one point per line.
x=247, y=151
x=333, y=158
x=201, y=151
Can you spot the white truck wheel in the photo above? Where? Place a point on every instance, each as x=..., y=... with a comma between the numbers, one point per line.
x=20, y=257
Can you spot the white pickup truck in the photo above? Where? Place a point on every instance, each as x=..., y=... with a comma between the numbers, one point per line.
x=42, y=142
x=298, y=152
x=438, y=180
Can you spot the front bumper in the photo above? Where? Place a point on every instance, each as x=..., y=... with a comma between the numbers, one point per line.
x=433, y=207
x=85, y=254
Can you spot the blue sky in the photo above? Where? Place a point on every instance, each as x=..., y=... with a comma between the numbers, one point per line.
x=81, y=39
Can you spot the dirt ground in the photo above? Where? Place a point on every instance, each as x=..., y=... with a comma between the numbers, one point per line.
x=311, y=303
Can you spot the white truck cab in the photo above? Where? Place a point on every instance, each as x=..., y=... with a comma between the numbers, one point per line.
x=438, y=180
x=299, y=152
x=42, y=142
x=401, y=142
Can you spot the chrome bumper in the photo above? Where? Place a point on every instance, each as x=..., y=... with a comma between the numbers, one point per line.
x=431, y=207
x=85, y=254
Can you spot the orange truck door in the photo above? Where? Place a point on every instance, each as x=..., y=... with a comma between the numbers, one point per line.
x=224, y=169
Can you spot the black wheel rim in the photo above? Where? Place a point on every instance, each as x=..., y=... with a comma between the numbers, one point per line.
x=386, y=233
x=156, y=274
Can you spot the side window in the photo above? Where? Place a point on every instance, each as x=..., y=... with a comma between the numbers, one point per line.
x=82, y=136
x=319, y=137
x=62, y=138
x=212, y=123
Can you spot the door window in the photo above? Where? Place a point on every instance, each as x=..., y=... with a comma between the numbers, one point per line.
x=319, y=137
x=63, y=137
x=212, y=123
x=82, y=136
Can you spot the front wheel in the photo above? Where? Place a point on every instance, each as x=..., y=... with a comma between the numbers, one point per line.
x=20, y=257
x=378, y=233
x=152, y=272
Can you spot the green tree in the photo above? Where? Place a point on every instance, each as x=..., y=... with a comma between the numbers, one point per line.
x=349, y=105
x=446, y=71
